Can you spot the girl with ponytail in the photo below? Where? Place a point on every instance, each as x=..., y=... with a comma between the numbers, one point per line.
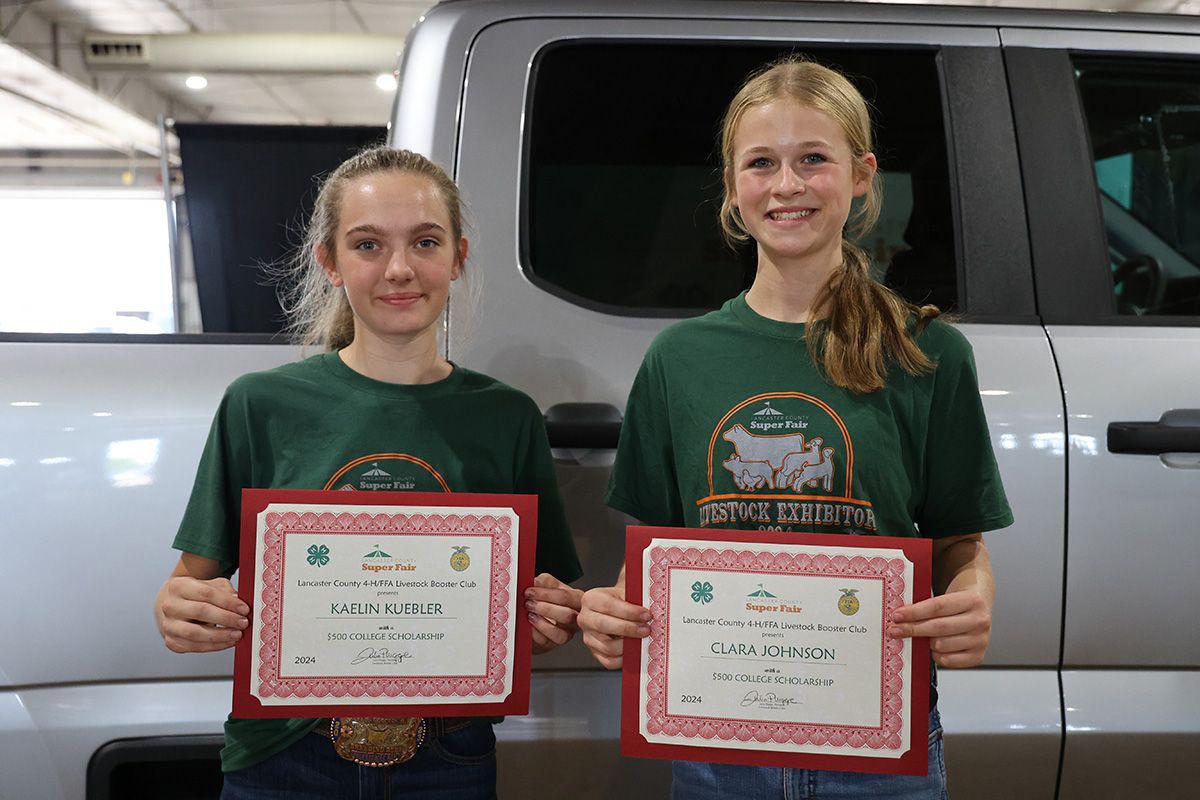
x=817, y=372
x=378, y=408
x=857, y=324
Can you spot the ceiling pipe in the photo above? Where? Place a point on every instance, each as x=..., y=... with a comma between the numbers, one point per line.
x=262, y=53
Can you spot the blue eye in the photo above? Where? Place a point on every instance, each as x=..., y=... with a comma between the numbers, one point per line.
x=761, y=161
x=428, y=243
x=814, y=158
x=366, y=245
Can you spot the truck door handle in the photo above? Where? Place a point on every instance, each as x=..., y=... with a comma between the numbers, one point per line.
x=1177, y=431
x=590, y=426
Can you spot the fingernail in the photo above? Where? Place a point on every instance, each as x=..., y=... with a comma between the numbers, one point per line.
x=529, y=592
x=530, y=605
x=532, y=617
x=643, y=630
x=235, y=635
x=242, y=623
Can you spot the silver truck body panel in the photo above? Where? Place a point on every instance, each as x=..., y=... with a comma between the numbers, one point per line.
x=1091, y=687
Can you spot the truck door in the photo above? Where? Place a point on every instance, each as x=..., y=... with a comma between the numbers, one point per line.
x=1109, y=130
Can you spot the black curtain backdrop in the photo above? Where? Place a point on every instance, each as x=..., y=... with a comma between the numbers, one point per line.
x=249, y=191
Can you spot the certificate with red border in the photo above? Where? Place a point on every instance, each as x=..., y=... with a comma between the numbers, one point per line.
x=384, y=604
x=770, y=649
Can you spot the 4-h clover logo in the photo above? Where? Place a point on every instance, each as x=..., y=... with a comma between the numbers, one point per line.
x=318, y=555
x=702, y=592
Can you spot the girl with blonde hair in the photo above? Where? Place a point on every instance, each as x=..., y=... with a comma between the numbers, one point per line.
x=818, y=345
x=380, y=408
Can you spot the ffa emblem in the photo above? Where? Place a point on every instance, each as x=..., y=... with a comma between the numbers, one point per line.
x=318, y=555
x=848, y=603
x=460, y=560
x=702, y=592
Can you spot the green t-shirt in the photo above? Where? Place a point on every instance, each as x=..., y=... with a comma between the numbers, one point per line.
x=318, y=424
x=729, y=425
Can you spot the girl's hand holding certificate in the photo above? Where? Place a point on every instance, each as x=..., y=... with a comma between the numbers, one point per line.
x=607, y=620
x=198, y=612
x=553, y=608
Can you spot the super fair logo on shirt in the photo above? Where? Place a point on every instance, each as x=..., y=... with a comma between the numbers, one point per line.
x=388, y=472
x=779, y=460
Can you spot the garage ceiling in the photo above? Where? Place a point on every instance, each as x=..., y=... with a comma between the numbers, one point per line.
x=53, y=102
x=56, y=99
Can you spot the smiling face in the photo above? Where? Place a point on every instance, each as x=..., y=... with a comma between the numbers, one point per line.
x=395, y=256
x=792, y=176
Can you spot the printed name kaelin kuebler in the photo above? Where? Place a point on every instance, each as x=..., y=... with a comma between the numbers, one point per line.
x=374, y=609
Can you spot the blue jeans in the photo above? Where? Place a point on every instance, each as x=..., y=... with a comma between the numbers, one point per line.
x=694, y=780
x=458, y=766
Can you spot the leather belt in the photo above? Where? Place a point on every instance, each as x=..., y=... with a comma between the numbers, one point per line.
x=435, y=727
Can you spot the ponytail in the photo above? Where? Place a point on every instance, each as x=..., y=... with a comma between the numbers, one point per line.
x=866, y=328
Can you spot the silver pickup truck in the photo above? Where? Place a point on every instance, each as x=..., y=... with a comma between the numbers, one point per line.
x=1042, y=180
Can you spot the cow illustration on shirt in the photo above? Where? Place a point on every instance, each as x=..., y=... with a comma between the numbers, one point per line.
x=778, y=462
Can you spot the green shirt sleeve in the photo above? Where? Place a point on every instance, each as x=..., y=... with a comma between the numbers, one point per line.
x=963, y=491
x=535, y=475
x=643, y=482
x=210, y=526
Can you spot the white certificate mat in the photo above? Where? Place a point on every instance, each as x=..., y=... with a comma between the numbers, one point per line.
x=383, y=609
x=769, y=649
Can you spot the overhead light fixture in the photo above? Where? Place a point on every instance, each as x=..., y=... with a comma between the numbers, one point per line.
x=387, y=82
x=196, y=82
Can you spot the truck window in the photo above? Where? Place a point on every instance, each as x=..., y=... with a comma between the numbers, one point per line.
x=1143, y=117
x=622, y=184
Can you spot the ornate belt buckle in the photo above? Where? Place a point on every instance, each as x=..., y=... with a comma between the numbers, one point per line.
x=377, y=741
